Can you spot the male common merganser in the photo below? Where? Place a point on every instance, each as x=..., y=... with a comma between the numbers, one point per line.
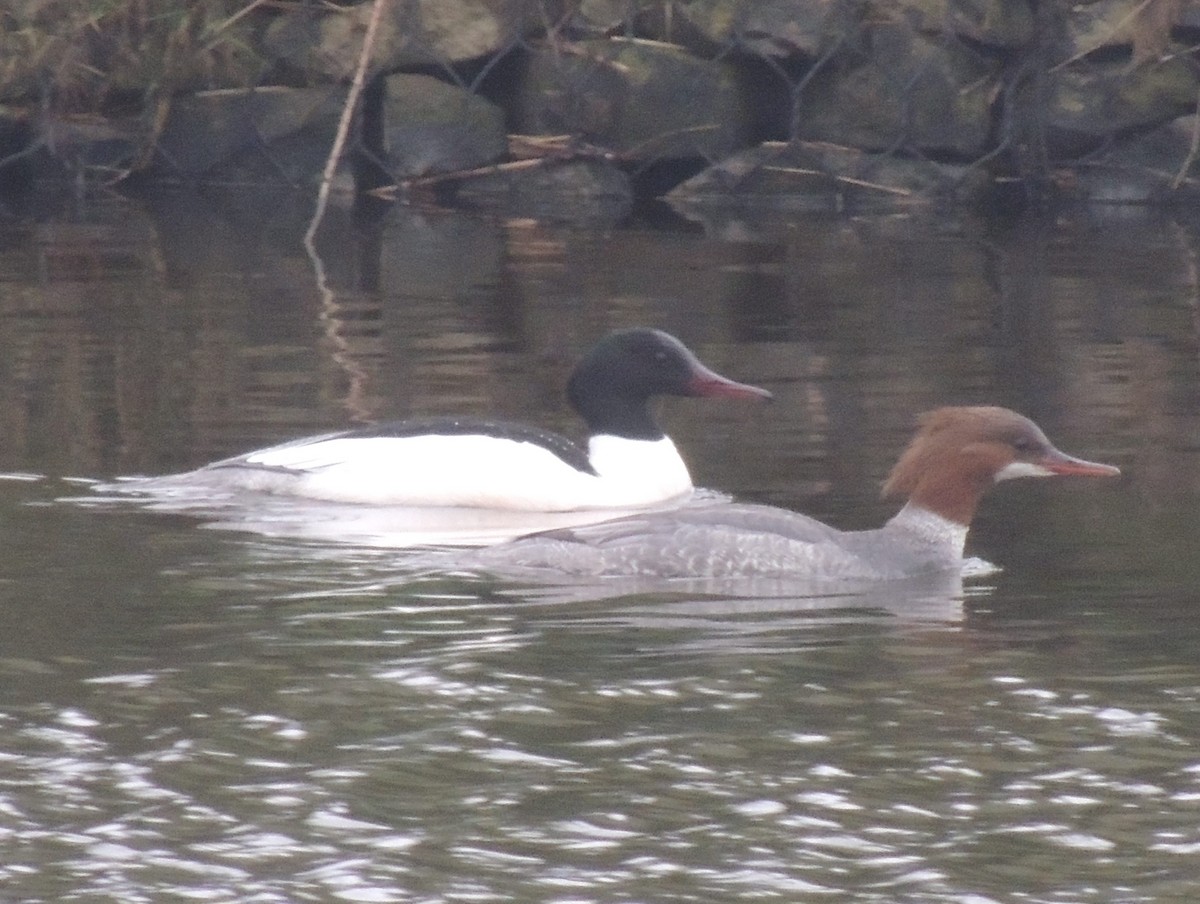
x=956, y=455
x=465, y=462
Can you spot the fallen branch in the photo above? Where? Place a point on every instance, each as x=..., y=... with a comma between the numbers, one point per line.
x=531, y=151
x=845, y=180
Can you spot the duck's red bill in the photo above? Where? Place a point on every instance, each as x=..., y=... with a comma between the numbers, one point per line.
x=712, y=385
x=1069, y=466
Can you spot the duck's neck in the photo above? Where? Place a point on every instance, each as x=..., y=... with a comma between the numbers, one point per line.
x=944, y=537
x=623, y=417
x=953, y=495
x=645, y=470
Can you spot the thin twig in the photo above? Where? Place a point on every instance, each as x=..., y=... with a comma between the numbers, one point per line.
x=343, y=129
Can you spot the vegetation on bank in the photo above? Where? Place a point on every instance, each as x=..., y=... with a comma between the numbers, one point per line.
x=72, y=72
x=110, y=56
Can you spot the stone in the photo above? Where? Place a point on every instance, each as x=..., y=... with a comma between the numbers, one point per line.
x=909, y=92
x=1158, y=166
x=581, y=190
x=434, y=127
x=282, y=134
x=326, y=43
x=1090, y=102
x=819, y=176
x=992, y=23
x=602, y=16
x=646, y=100
x=1108, y=25
x=779, y=29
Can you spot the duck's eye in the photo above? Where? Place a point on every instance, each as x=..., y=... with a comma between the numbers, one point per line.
x=1024, y=445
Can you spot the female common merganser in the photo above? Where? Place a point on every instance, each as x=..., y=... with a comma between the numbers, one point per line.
x=956, y=455
x=473, y=463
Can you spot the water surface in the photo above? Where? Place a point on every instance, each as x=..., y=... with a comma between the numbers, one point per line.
x=190, y=713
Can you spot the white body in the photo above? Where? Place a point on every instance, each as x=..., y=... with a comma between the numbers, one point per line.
x=462, y=470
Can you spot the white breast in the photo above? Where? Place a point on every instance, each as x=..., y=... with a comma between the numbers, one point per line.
x=637, y=471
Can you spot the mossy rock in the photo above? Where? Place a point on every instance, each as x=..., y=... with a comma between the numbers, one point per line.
x=645, y=100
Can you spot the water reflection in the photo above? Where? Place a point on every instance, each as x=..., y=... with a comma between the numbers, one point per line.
x=414, y=548
x=196, y=331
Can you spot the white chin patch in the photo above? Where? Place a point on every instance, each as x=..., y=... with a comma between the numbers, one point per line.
x=1022, y=469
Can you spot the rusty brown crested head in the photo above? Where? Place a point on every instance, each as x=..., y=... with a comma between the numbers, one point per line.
x=959, y=452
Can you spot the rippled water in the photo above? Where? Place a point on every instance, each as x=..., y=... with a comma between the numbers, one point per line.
x=198, y=714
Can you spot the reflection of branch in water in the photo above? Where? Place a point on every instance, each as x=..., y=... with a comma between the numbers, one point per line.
x=330, y=321
x=1191, y=266
x=1185, y=167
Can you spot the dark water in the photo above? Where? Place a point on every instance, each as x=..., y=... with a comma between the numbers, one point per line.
x=192, y=714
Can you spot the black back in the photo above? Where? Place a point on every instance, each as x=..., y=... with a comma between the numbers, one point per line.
x=570, y=452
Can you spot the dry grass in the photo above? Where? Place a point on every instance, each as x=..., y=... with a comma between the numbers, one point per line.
x=82, y=71
x=105, y=55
